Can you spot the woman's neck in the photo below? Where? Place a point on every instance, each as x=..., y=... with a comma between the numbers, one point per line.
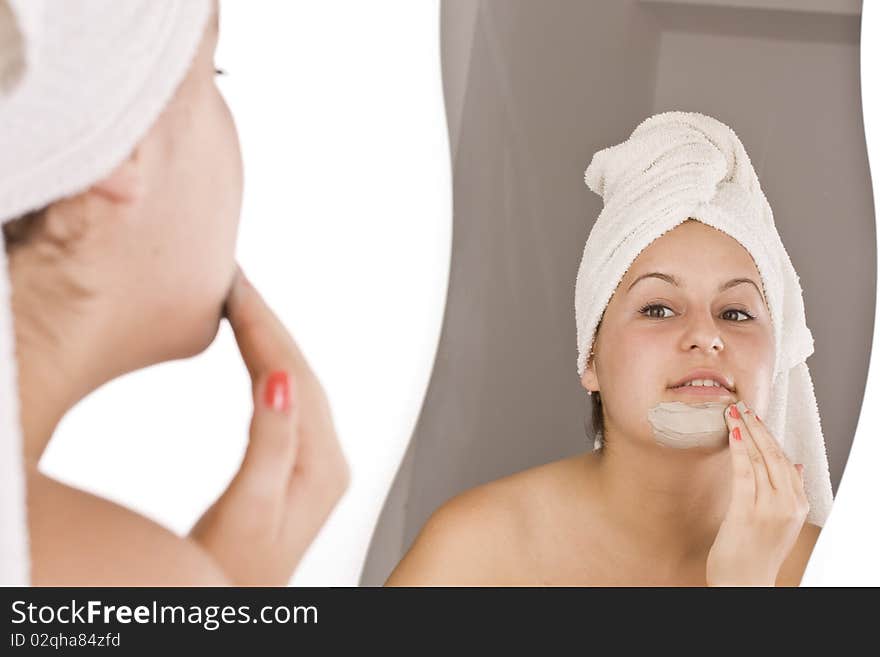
x=50, y=382
x=669, y=501
x=62, y=354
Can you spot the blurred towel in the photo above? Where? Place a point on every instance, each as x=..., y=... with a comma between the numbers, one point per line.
x=81, y=82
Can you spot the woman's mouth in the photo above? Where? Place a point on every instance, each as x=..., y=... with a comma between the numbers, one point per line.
x=702, y=392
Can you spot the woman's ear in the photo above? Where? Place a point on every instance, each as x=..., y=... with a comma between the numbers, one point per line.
x=589, y=380
x=124, y=184
x=70, y=219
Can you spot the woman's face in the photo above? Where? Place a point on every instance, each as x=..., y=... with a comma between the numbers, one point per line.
x=691, y=300
x=188, y=212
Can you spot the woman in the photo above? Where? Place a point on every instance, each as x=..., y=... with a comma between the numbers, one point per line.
x=122, y=256
x=670, y=292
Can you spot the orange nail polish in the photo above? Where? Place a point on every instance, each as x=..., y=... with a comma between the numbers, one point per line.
x=277, y=394
x=734, y=413
x=736, y=434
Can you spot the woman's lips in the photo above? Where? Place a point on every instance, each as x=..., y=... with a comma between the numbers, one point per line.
x=716, y=392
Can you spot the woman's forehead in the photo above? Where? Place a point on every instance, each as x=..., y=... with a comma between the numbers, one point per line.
x=693, y=249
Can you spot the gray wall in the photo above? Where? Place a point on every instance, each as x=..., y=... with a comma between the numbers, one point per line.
x=532, y=90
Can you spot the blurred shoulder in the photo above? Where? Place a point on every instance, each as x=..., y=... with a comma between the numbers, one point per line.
x=80, y=539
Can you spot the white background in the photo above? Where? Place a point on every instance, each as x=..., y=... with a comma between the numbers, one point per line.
x=346, y=229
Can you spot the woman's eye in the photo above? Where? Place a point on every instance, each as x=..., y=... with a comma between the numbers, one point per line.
x=648, y=310
x=741, y=312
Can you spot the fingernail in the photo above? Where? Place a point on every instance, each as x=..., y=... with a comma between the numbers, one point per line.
x=734, y=413
x=277, y=394
x=800, y=467
x=736, y=434
x=741, y=406
x=757, y=417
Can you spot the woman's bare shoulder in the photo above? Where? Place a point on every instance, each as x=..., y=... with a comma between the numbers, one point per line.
x=481, y=537
x=793, y=567
x=80, y=539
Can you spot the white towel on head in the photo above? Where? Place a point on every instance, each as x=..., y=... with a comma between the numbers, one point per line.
x=81, y=82
x=677, y=166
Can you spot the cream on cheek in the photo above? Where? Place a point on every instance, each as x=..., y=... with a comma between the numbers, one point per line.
x=682, y=426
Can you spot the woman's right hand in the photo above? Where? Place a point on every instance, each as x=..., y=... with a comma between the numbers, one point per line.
x=768, y=507
x=293, y=472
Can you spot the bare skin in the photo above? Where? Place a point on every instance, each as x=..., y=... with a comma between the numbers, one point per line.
x=291, y=478
x=637, y=513
x=110, y=282
x=545, y=527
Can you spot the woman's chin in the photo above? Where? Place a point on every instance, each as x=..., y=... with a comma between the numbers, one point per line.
x=194, y=338
x=207, y=337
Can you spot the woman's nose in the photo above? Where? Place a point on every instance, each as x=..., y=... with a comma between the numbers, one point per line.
x=703, y=332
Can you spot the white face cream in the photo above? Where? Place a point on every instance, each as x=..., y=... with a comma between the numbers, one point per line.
x=683, y=426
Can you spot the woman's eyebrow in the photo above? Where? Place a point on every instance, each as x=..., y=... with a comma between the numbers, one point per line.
x=656, y=274
x=736, y=281
x=669, y=278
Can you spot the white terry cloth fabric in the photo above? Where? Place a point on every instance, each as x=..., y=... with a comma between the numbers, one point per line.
x=81, y=82
x=677, y=166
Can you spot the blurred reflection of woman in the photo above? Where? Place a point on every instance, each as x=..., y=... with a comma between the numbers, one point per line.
x=120, y=192
x=711, y=465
